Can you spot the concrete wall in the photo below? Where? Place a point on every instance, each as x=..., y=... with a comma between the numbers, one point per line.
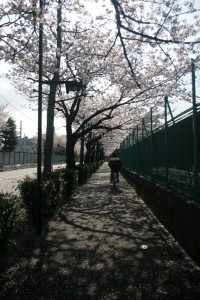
x=179, y=214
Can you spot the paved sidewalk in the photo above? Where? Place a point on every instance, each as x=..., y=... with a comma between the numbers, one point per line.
x=102, y=244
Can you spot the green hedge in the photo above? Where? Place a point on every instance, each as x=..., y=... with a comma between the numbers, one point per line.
x=62, y=182
x=51, y=189
x=10, y=216
x=27, y=188
x=50, y=192
x=82, y=174
x=85, y=171
x=69, y=181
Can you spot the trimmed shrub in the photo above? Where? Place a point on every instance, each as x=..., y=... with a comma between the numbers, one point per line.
x=94, y=167
x=85, y=171
x=10, y=215
x=90, y=170
x=28, y=188
x=51, y=186
x=69, y=181
x=82, y=174
x=52, y=190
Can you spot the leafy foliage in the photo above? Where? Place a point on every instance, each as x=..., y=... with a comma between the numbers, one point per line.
x=27, y=188
x=69, y=177
x=82, y=174
x=52, y=184
x=61, y=183
x=3, y=116
x=9, y=137
x=10, y=216
x=50, y=193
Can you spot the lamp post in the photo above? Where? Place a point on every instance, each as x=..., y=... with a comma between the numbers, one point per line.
x=39, y=143
x=71, y=85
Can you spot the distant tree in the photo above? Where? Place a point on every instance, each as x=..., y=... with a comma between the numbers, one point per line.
x=3, y=116
x=9, y=137
x=59, y=144
x=92, y=147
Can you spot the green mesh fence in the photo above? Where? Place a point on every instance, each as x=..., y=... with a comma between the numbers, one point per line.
x=166, y=148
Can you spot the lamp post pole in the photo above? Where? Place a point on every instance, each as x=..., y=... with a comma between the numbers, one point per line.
x=39, y=146
x=194, y=121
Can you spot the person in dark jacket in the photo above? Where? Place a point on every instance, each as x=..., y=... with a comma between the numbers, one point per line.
x=115, y=165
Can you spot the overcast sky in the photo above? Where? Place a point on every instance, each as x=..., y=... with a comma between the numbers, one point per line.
x=25, y=118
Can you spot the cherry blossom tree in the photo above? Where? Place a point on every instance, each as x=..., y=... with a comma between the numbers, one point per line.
x=3, y=116
x=63, y=44
x=127, y=58
x=18, y=28
x=160, y=33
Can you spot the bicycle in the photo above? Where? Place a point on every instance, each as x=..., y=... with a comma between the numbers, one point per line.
x=114, y=180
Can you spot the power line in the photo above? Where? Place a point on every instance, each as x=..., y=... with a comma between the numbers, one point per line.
x=4, y=98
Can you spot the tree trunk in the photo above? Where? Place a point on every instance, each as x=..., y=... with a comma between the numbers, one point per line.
x=70, y=144
x=82, y=151
x=88, y=152
x=50, y=131
x=52, y=97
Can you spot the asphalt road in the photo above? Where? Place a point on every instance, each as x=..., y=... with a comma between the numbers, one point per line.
x=9, y=179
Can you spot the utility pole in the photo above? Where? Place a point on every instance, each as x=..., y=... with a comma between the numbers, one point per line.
x=194, y=125
x=20, y=132
x=39, y=143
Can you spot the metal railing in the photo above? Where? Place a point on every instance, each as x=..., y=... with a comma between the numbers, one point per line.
x=167, y=150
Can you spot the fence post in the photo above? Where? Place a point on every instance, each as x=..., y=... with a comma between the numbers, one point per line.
x=194, y=121
x=129, y=156
x=3, y=158
x=143, y=126
x=132, y=151
x=9, y=158
x=151, y=153
x=137, y=156
x=166, y=144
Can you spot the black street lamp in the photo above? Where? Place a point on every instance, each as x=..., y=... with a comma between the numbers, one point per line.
x=71, y=85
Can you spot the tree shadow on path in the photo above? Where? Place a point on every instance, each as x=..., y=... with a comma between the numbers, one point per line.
x=102, y=245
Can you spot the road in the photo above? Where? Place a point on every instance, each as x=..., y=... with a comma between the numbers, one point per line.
x=9, y=179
